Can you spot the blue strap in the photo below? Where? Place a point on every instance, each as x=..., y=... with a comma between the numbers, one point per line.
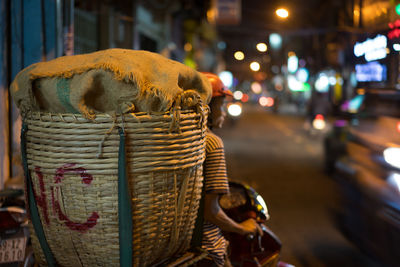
x=33, y=210
x=197, y=236
x=124, y=208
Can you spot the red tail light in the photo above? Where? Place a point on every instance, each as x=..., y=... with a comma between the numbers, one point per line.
x=319, y=117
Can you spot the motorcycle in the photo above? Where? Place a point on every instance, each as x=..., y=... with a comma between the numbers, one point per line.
x=15, y=249
x=241, y=204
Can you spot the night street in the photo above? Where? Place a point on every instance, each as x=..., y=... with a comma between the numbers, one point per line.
x=105, y=148
x=272, y=153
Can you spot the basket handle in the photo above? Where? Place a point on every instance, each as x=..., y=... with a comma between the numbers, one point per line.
x=32, y=207
x=124, y=207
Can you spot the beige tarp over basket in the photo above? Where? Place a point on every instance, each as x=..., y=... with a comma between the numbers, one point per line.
x=100, y=174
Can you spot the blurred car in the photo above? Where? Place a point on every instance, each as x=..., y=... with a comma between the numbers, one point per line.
x=365, y=157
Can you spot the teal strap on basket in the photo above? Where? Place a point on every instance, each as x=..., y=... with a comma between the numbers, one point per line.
x=33, y=210
x=124, y=208
x=197, y=236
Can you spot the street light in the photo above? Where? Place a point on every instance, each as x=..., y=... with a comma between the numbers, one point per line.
x=282, y=13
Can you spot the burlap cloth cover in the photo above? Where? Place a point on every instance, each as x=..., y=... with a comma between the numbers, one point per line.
x=73, y=108
x=104, y=82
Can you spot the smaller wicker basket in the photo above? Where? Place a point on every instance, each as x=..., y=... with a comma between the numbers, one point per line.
x=73, y=165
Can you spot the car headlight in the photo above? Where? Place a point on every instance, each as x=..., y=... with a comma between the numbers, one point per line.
x=392, y=156
x=394, y=180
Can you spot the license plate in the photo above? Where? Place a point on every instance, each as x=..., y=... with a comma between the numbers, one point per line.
x=12, y=250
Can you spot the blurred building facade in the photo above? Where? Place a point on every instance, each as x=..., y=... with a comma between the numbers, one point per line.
x=374, y=48
x=365, y=46
x=322, y=35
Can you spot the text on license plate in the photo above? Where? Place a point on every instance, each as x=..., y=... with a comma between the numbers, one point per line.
x=12, y=249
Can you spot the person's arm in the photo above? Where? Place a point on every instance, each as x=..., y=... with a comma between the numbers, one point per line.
x=214, y=214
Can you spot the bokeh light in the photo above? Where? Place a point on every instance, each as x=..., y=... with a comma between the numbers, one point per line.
x=322, y=83
x=227, y=78
x=239, y=55
x=275, y=69
x=293, y=63
x=275, y=40
x=188, y=47
x=302, y=75
x=245, y=98
x=302, y=63
x=262, y=47
x=319, y=122
x=392, y=156
x=255, y=66
x=332, y=80
x=294, y=84
x=266, y=101
x=256, y=88
x=282, y=13
x=235, y=109
x=221, y=45
x=237, y=95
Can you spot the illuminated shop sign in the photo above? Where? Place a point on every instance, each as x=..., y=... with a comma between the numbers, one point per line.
x=370, y=72
x=395, y=29
x=372, y=49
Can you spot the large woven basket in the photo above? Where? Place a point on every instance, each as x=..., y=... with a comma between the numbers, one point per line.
x=73, y=165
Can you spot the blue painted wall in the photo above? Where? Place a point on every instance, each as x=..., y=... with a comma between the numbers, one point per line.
x=4, y=102
x=31, y=38
x=32, y=32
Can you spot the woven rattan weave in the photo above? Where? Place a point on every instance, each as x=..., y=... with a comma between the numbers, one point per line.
x=73, y=163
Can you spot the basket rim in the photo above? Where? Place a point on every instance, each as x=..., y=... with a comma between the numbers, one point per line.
x=108, y=115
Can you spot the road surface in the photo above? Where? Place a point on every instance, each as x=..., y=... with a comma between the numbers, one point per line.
x=272, y=153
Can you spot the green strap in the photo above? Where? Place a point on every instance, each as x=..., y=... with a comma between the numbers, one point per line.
x=63, y=94
x=124, y=208
x=197, y=236
x=33, y=210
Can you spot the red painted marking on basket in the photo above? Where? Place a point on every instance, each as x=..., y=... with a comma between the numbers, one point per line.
x=81, y=227
x=42, y=199
x=53, y=204
x=59, y=176
x=86, y=177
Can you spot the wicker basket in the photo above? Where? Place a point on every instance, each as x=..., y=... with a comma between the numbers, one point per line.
x=73, y=165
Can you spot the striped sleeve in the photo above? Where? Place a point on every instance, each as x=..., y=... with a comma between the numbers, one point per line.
x=214, y=166
x=214, y=243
